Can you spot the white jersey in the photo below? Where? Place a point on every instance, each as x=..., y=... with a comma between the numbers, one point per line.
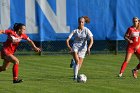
x=80, y=39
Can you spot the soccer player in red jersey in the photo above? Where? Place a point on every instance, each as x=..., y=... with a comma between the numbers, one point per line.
x=135, y=70
x=132, y=36
x=15, y=35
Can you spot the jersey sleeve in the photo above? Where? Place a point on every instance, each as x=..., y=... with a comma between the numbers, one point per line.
x=24, y=36
x=72, y=33
x=128, y=31
x=8, y=31
x=89, y=33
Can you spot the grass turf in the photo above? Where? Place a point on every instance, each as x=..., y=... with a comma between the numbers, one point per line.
x=51, y=74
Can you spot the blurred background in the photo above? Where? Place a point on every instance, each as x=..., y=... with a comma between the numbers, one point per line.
x=49, y=22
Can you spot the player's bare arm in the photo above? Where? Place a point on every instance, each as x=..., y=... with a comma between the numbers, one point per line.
x=127, y=37
x=1, y=31
x=90, y=45
x=36, y=49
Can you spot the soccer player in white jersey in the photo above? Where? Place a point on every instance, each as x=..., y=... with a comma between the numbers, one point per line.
x=79, y=48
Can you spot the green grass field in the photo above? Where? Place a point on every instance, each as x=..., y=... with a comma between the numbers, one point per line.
x=51, y=74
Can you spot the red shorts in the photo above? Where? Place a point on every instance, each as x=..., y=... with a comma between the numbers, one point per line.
x=138, y=51
x=131, y=49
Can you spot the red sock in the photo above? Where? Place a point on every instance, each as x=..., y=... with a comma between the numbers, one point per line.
x=124, y=65
x=15, y=71
x=138, y=66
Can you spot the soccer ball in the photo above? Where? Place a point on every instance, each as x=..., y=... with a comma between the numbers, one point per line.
x=82, y=78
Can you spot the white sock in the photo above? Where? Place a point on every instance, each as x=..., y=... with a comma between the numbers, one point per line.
x=76, y=66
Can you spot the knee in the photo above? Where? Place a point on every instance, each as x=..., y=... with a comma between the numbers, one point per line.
x=127, y=61
x=16, y=62
x=76, y=61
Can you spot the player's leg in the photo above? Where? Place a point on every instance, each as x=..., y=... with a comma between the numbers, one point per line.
x=81, y=55
x=76, y=66
x=135, y=70
x=72, y=63
x=5, y=65
x=138, y=56
x=15, y=62
x=80, y=62
x=5, y=62
x=124, y=64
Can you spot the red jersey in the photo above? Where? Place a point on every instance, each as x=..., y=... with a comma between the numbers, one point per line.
x=134, y=36
x=12, y=42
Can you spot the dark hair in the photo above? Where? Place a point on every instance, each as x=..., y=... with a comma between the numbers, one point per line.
x=87, y=20
x=135, y=18
x=17, y=26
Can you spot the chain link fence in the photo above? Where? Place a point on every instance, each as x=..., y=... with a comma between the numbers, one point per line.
x=59, y=47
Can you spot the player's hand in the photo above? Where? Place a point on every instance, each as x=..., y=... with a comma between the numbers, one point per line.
x=70, y=49
x=88, y=51
x=130, y=41
x=37, y=50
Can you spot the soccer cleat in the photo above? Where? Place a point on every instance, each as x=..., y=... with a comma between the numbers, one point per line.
x=71, y=65
x=74, y=78
x=17, y=81
x=120, y=75
x=134, y=73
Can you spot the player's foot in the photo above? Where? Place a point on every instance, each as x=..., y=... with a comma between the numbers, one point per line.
x=17, y=81
x=71, y=65
x=74, y=78
x=120, y=75
x=134, y=73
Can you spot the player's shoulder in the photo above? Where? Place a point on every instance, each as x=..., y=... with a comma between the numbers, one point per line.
x=86, y=29
x=9, y=31
x=75, y=30
x=24, y=35
x=131, y=28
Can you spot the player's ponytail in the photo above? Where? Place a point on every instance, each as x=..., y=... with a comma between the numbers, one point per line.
x=15, y=26
x=87, y=20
